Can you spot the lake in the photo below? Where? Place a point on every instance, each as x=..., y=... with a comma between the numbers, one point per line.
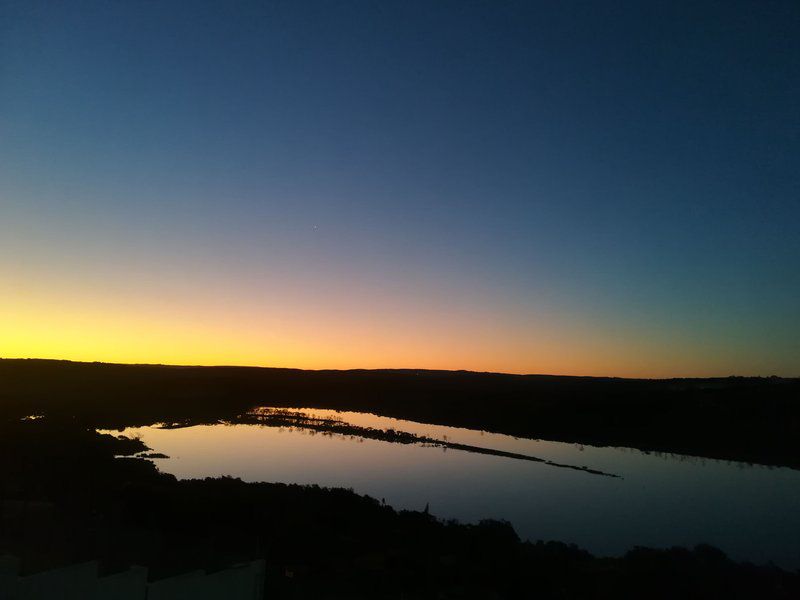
x=750, y=512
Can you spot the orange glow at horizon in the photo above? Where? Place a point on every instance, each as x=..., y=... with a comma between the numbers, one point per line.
x=340, y=320
x=302, y=338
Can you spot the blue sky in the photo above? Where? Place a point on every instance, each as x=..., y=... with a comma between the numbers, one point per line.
x=623, y=172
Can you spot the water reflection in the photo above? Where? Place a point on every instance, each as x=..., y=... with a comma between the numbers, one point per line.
x=660, y=500
x=329, y=424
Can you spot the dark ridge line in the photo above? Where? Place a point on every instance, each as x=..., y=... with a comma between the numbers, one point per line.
x=407, y=370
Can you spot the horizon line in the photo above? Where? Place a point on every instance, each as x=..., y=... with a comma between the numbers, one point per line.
x=383, y=369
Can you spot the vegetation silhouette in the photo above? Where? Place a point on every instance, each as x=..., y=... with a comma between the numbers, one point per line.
x=66, y=499
x=70, y=494
x=745, y=419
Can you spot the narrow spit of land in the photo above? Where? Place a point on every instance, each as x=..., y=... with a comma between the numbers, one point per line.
x=294, y=419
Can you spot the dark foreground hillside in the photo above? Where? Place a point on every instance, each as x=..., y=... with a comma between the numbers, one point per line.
x=66, y=499
x=746, y=419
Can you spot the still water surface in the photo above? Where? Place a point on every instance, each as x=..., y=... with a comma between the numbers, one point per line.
x=750, y=512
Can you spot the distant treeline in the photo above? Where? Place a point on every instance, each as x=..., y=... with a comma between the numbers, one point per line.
x=737, y=418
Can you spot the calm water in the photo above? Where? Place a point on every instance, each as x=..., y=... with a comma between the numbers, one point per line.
x=750, y=512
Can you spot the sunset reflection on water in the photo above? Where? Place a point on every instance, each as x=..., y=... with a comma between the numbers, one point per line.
x=604, y=515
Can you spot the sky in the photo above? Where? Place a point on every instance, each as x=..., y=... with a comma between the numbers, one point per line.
x=584, y=188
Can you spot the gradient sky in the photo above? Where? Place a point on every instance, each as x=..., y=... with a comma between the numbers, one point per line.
x=598, y=188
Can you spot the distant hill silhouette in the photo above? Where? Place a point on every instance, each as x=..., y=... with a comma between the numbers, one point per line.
x=751, y=419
